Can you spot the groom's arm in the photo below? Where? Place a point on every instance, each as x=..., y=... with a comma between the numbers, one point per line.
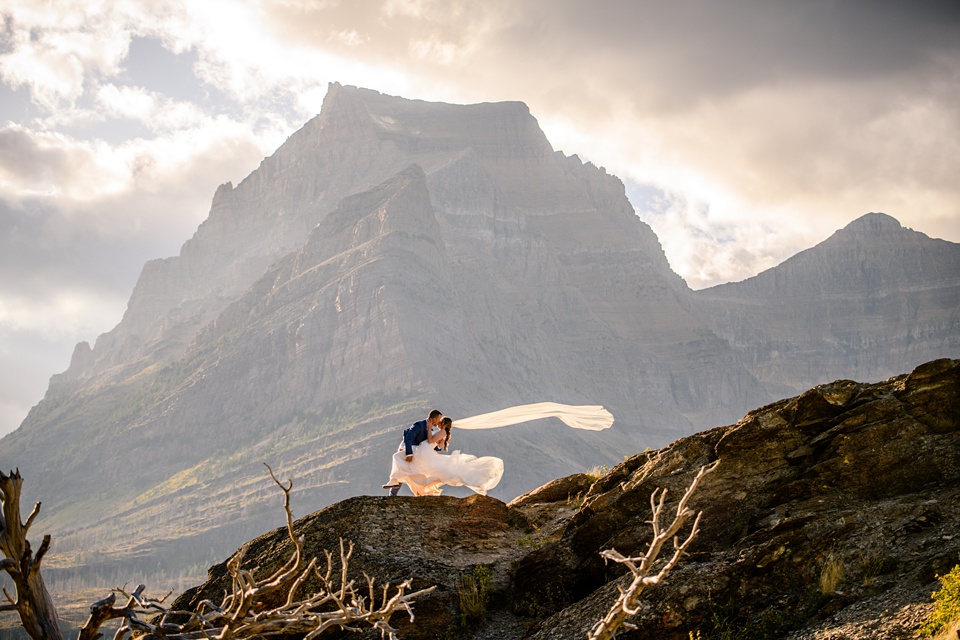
x=414, y=435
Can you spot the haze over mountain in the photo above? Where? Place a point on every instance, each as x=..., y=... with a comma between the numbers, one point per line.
x=395, y=255
x=871, y=301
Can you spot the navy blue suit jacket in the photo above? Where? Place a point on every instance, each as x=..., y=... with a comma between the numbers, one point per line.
x=414, y=435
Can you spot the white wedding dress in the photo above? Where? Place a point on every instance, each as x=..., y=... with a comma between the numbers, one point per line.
x=430, y=470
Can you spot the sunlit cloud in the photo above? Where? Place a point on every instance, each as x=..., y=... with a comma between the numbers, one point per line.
x=759, y=175
x=57, y=51
x=155, y=111
x=142, y=186
x=348, y=37
x=434, y=51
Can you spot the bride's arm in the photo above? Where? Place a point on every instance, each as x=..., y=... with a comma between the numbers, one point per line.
x=436, y=438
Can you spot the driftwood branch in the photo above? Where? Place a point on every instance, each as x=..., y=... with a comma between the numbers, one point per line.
x=31, y=518
x=243, y=613
x=32, y=602
x=641, y=567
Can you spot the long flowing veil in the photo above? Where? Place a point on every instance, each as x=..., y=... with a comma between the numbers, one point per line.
x=589, y=417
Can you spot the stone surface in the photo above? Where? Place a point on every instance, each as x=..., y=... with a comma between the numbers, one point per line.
x=866, y=476
x=434, y=541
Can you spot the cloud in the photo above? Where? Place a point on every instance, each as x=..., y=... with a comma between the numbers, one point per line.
x=771, y=125
x=56, y=52
x=761, y=110
x=155, y=111
x=25, y=160
x=745, y=131
x=62, y=314
x=754, y=110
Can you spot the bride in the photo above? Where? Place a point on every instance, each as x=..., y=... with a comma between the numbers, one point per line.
x=430, y=469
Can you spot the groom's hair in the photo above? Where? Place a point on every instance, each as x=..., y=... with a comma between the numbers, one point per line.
x=434, y=414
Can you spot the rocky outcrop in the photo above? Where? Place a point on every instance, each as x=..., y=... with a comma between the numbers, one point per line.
x=434, y=541
x=860, y=477
x=866, y=476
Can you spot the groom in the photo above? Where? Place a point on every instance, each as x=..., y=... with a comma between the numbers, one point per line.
x=412, y=436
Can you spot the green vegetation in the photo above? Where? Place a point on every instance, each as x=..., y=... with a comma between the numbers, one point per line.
x=946, y=611
x=527, y=542
x=473, y=590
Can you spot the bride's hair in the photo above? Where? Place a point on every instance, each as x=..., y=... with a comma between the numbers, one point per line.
x=445, y=424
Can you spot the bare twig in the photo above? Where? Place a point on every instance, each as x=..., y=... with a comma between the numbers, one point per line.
x=243, y=613
x=641, y=567
x=31, y=518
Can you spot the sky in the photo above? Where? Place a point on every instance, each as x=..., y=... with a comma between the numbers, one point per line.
x=744, y=131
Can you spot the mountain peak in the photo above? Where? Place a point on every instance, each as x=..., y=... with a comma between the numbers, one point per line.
x=875, y=220
x=878, y=233
x=874, y=288
x=417, y=127
x=873, y=224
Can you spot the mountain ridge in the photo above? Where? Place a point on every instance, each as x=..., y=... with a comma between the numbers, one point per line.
x=869, y=231
x=392, y=256
x=883, y=297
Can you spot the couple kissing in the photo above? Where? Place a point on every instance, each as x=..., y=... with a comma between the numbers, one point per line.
x=421, y=464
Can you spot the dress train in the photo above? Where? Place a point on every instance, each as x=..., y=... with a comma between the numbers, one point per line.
x=430, y=470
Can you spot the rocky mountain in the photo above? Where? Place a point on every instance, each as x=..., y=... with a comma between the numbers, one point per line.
x=871, y=300
x=829, y=515
x=393, y=256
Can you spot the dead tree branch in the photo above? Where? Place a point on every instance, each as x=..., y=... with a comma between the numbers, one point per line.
x=37, y=613
x=641, y=567
x=243, y=613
